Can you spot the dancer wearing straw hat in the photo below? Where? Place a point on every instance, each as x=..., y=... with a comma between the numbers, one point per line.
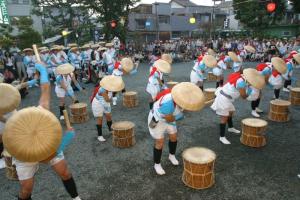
x=10, y=100
x=225, y=96
x=63, y=86
x=276, y=79
x=219, y=70
x=29, y=61
x=197, y=73
x=101, y=101
x=290, y=61
x=264, y=69
x=236, y=59
x=162, y=119
x=108, y=60
x=155, y=82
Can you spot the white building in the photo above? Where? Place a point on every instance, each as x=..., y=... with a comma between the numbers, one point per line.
x=226, y=6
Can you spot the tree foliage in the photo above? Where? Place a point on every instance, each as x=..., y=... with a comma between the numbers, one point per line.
x=296, y=5
x=254, y=15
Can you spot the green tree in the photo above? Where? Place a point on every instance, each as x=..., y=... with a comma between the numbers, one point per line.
x=112, y=10
x=296, y=5
x=254, y=15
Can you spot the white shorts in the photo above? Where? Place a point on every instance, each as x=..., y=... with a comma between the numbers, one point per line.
x=98, y=108
x=222, y=105
x=195, y=78
x=153, y=90
x=159, y=131
x=30, y=71
x=27, y=170
x=60, y=93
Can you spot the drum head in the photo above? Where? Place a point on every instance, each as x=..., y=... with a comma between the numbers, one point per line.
x=253, y=122
x=78, y=105
x=199, y=155
x=295, y=89
x=210, y=90
x=278, y=102
x=123, y=125
x=130, y=93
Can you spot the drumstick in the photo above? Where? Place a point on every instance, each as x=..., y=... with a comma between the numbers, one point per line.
x=36, y=53
x=67, y=121
x=207, y=103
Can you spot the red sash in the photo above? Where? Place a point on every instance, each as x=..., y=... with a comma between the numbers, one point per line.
x=162, y=94
x=117, y=65
x=154, y=69
x=275, y=73
x=94, y=93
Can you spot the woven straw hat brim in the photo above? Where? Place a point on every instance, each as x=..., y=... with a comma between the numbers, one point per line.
x=188, y=96
x=233, y=57
x=250, y=49
x=64, y=69
x=297, y=58
x=72, y=45
x=32, y=134
x=253, y=77
x=27, y=49
x=109, y=44
x=112, y=83
x=210, y=61
x=102, y=49
x=94, y=46
x=127, y=64
x=167, y=57
x=199, y=155
x=10, y=98
x=162, y=66
x=74, y=49
x=211, y=52
x=279, y=65
x=101, y=43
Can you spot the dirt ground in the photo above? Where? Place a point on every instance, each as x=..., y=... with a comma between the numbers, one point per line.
x=105, y=172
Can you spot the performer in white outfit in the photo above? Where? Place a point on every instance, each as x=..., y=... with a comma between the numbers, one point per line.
x=155, y=83
x=101, y=101
x=219, y=70
x=237, y=61
x=166, y=111
x=29, y=62
x=108, y=58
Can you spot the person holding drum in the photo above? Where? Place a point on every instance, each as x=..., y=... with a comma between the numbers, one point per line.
x=162, y=119
x=101, y=102
x=236, y=59
x=155, y=82
x=219, y=70
x=197, y=73
x=292, y=60
x=276, y=79
x=63, y=86
x=235, y=87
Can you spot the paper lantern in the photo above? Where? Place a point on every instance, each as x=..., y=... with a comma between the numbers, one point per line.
x=271, y=7
x=192, y=20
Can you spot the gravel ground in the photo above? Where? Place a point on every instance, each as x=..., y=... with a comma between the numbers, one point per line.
x=102, y=171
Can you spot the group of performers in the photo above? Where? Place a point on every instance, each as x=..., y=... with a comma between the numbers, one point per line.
x=166, y=103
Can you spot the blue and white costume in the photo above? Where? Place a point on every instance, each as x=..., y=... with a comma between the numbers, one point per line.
x=236, y=66
x=108, y=60
x=60, y=92
x=221, y=66
x=197, y=73
x=153, y=86
x=75, y=60
x=99, y=105
x=29, y=62
x=226, y=95
x=162, y=107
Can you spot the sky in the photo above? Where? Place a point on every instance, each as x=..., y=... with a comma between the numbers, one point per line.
x=199, y=2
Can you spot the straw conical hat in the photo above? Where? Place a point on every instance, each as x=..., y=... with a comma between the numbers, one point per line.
x=10, y=98
x=162, y=66
x=112, y=83
x=279, y=65
x=127, y=64
x=109, y=44
x=249, y=49
x=210, y=61
x=211, y=52
x=72, y=45
x=86, y=46
x=27, y=49
x=188, y=96
x=167, y=57
x=74, y=48
x=101, y=43
x=43, y=49
x=254, y=78
x=233, y=56
x=55, y=47
x=63, y=69
x=297, y=58
x=102, y=49
x=32, y=134
x=95, y=46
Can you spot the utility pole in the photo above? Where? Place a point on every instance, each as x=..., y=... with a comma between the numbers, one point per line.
x=212, y=18
x=156, y=21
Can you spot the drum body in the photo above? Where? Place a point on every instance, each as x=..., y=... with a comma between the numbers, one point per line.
x=295, y=96
x=130, y=99
x=279, y=110
x=253, y=132
x=209, y=95
x=10, y=168
x=171, y=84
x=123, y=134
x=78, y=113
x=198, y=170
x=212, y=77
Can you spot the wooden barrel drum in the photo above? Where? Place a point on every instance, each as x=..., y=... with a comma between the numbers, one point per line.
x=171, y=84
x=123, y=134
x=78, y=113
x=253, y=132
x=10, y=168
x=198, y=170
x=212, y=77
x=295, y=96
x=279, y=110
x=130, y=99
x=209, y=94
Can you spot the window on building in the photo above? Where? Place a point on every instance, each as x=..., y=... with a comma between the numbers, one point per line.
x=140, y=23
x=25, y=1
x=13, y=1
x=164, y=19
